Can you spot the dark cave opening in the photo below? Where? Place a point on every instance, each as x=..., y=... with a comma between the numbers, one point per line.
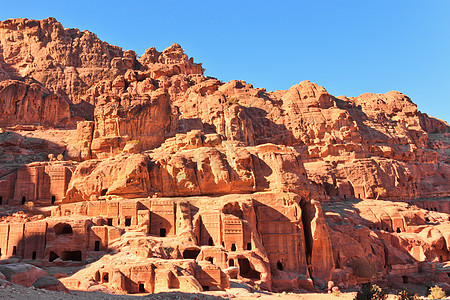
x=71, y=255
x=62, y=228
x=191, y=253
x=245, y=270
x=52, y=256
x=307, y=216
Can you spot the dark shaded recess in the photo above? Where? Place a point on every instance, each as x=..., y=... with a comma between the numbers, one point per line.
x=307, y=216
x=62, y=228
x=246, y=271
x=71, y=255
x=52, y=256
x=233, y=209
x=97, y=246
x=191, y=253
x=337, y=262
x=83, y=109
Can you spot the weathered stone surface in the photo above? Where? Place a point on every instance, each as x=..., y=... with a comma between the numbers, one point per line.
x=194, y=170
x=22, y=103
x=121, y=175
x=23, y=274
x=61, y=59
x=151, y=177
x=50, y=283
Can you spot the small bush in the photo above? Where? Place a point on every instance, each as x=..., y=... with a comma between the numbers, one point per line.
x=404, y=295
x=257, y=287
x=370, y=292
x=168, y=249
x=29, y=205
x=336, y=293
x=380, y=192
x=232, y=101
x=436, y=293
x=414, y=207
x=133, y=142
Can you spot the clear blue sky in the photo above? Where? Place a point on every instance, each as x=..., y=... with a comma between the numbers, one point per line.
x=349, y=47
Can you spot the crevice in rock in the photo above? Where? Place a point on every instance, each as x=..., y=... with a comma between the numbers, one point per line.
x=307, y=216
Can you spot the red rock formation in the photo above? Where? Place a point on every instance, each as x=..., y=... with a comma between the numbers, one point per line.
x=65, y=60
x=190, y=183
x=23, y=103
x=23, y=274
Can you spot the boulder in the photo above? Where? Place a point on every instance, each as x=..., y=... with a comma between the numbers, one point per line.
x=23, y=274
x=50, y=283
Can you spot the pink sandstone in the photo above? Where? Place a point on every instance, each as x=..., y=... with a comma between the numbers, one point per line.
x=148, y=176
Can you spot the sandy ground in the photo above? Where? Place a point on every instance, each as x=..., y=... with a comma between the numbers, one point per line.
x=12, y=291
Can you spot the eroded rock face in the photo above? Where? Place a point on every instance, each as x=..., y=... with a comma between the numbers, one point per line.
x=50, y=283
x=369, y=132
x=23, y=274
x=383, y=233
x=162, y=179
x=121, y=175
x=23, y=103
x=61, y=59
x=192, y=170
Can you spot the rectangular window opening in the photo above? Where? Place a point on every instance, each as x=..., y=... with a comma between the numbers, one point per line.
x=162, y=232
x=97, y=246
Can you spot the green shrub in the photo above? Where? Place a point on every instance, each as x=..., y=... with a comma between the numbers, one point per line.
x=29, y=205
x=414, y=207
x=436, y=293
x=232, y=101
x=336, y=293
x=404, y=295
x=133, y=142
x=168, y=249
x=370, y=292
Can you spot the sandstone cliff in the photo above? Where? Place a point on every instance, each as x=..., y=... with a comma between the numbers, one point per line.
x=153, y=177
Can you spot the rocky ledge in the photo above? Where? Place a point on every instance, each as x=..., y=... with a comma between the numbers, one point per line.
x=143, y=175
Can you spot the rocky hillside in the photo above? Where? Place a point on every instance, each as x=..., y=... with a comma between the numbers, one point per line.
x=153, y=177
